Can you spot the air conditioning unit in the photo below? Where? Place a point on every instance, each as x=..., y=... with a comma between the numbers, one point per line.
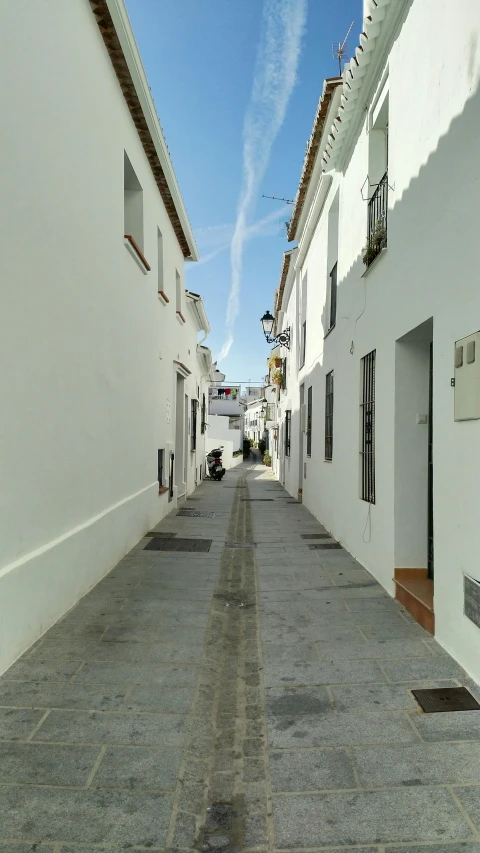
x=303, y=417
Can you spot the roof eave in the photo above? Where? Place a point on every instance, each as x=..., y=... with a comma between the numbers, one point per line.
x=117, y=34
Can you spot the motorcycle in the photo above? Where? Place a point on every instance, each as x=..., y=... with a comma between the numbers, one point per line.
x=214, y=464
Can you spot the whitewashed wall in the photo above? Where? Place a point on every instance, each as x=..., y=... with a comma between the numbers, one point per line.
x=86, y=345
x=428, y=271
x=220, y=431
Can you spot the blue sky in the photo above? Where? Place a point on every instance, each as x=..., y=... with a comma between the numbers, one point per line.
x=225, y=74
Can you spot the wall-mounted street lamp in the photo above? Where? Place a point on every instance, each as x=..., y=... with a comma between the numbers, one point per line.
x=283, y=338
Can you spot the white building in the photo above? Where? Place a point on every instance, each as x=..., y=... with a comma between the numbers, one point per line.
x=383, y=450
x=102, y=379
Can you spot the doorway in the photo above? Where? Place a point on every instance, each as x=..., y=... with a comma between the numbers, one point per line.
x=180, y=482
x=430, y=556
x=302, y=428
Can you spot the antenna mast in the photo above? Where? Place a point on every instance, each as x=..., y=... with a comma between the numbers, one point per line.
x=339, y=50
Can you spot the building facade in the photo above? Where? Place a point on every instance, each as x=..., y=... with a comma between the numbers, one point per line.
x=379, y=425
x=103, y=379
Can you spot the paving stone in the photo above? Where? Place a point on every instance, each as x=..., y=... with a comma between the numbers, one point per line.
x=369, y=817
x=437, y=848
x=93, y=727
x=175, y=652
x=453, y=725
x=436, y=667
x=86, y=817
x=79, y=651
x=255, y=830
x=138, y=767
x=470, y=799
x=311, y=770
x=41, y=670
x=299, y=652
x=374, y=650
x=37, y=764
x=18, y=724
x=338, y=729
x=342, y=672
x=129, y=673
x=422, y=764
x=302, y=700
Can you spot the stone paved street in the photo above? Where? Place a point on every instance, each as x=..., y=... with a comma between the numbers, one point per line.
x=256, y=696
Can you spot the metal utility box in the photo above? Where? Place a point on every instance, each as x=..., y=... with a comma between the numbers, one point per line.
x=467, y=378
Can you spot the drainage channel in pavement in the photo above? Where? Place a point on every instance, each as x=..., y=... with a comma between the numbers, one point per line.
x=236, y=812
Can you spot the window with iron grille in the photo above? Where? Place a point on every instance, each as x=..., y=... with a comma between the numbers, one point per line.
x=303, y=344
x=288, y=431
x=203, y=425
x=367, y=412
x=161, y=461
x=194, y=424
x=333, y=297
x=309, y=421
x=329, y=416
x=284, y=374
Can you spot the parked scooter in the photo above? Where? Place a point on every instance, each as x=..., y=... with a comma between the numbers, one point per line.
x=214, y=464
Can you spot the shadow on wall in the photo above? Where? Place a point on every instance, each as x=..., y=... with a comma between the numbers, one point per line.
x=429, y=246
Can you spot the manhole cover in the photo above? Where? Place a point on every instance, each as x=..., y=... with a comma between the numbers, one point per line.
x=252, y=500
x=315, y=536
x=439, y=700
x=158, y=544
x=330, y=546
x=160, y=535
x=195, y=513
x=240, y=544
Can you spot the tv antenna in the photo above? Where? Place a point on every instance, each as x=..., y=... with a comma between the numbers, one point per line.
x=339, y=49
x=276, y=198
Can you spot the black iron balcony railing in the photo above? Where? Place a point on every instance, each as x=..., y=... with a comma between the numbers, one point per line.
x=377, y=221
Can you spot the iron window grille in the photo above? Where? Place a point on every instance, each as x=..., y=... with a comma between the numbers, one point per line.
x=194, y=424
x=333, y=297
x=303, y=344
x=329, y=416
x=377, y=221
x=309, y=421
x=170, y=476
x=288, y=431
x=161, y=461
x=367, y=410
x=204, y=416
x=284, y=374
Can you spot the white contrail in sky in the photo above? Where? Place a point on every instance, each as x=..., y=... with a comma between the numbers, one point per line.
x=283, y=24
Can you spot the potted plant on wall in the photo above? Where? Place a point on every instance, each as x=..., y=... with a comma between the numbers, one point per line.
x=377, y=242
x=274, y=361
x=277, y=377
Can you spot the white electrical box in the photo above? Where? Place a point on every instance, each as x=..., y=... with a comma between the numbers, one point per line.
x=467, y=378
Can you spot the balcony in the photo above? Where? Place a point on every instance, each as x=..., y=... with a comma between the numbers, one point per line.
x=377, y=222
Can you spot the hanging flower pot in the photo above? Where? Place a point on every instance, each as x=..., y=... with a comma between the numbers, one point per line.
x=278, y=377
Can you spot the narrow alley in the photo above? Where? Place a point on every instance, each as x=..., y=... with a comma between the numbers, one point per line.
x=237, y=682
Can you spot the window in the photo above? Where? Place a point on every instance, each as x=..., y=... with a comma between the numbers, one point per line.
x=132, y=204
x=333, y=297
x=309, y=421
x=194, y=404
x=284, y=374
x=203, y=425
x=178, y=293
x=288, y=431
x=161, y=474
x=332, y=258
x=329, y=416
x=367, y=415
x=377, y=177
x=161, y=285
x=303, y=344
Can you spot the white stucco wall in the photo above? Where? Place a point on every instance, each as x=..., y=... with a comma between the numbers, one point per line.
x=220, y=431
x=428, y=273
x=86, y=345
